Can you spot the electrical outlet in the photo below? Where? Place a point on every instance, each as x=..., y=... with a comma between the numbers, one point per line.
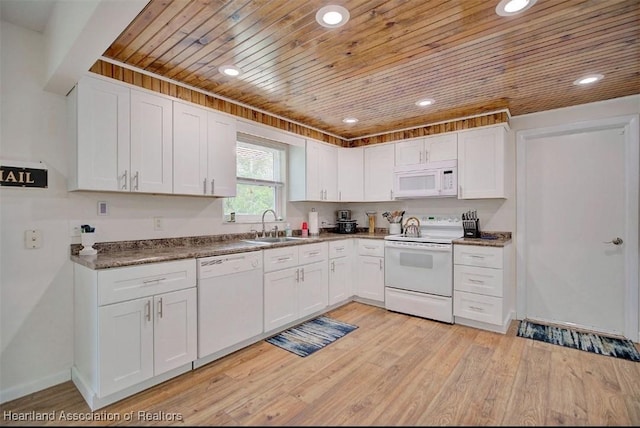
x=157, y=223
x=74, y=230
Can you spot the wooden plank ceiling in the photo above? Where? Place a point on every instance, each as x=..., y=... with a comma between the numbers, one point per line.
x=390, y=54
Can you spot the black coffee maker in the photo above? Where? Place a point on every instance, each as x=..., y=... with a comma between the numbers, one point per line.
x=344, y=222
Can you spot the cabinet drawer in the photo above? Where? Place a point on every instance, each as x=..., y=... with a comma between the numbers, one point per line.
x=280, y=258
x=474, y=255
x=339, y=248
x=133, y=282
x=477, y=307
x=478, y=280
x=370, y=247
x=311, y=253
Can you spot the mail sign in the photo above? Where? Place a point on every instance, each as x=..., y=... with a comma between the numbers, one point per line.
x=23, y=176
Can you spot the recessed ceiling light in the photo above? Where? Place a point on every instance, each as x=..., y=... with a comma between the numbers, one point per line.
x=425, y=102
x=332, y=16
x=589, y=78
x=349, y=120
x=513, y=7
x=230, y=70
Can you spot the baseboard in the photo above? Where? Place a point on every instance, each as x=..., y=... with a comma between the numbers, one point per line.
x=35, y=386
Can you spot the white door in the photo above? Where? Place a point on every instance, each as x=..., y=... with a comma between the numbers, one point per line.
x=125, y=344
x=151, y=143
x=175, y=330
x=313, y=288
x=189, y=149
x=378, y=172
x=350, y=174
x=221, y=155
x=370, y=275
x=103, y=135
x=280, y=298
x=339, y=279
x=576, y=196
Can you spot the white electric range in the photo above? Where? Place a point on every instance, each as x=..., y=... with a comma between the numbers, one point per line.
x=419, y=268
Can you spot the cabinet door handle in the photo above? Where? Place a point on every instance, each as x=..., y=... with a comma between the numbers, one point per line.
x=391, y=194
x=213, y=180
x=136, y=178
x=297, y=275
x=460, y=190
x=204, y=182
x=302, y=274
x=420, y=159
x=339, y=195
x=426, y=155
x=160, y=307
x=148, y=310
x=124, y=180
x=333, y=266
x=381, y=265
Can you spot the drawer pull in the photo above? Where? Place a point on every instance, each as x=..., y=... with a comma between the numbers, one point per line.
x=370, y=248
x=475, y=256
x=153, y=281
x=314, y=253
x=283, y=259
x=476, y=308
x=476, y=281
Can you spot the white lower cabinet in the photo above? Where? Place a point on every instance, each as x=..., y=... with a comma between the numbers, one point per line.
x=295, y=283
x=134, y=327
x=483, y=291
x=340, y=271
x=370, y=270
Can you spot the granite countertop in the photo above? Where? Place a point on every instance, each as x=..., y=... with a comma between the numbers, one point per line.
x=487, y=239
x=129, y=253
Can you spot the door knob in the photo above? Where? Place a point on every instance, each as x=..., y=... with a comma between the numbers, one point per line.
x=616, y=241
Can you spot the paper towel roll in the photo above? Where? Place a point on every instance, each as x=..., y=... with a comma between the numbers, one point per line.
x=313, y=223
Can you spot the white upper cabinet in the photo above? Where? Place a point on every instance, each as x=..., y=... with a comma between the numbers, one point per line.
x=378, y=172
x=429, y=149
x=351, y=174
x=322, y=172
x=98, y=112
x=204, y=152
x=481, y=163
x=221, y=154
x=314, y=172
x=190, y=149
x=151, y=143
x=122, y=138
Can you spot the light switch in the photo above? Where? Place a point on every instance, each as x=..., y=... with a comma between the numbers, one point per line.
x=32, y=239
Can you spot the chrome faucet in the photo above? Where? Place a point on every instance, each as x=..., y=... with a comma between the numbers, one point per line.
x=275, y=217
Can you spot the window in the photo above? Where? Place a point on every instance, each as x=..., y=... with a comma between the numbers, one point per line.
x=260, y=172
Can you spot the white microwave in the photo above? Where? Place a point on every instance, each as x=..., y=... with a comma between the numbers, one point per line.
x=431, y=179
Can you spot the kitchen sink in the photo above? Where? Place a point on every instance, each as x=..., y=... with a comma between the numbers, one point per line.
x=272, y=240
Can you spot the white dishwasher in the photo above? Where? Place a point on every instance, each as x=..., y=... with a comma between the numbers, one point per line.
x=230, y=301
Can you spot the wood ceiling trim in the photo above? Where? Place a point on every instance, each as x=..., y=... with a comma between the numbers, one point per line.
x=162, y=86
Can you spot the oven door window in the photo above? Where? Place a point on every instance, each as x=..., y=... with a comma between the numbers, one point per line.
x=419, y=270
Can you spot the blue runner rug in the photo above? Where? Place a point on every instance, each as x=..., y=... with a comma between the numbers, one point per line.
x=308, y=337
x=590, y=342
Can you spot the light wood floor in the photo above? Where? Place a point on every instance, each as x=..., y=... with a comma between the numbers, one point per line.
x=393, y=370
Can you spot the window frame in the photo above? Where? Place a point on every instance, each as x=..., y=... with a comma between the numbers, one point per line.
x=279, y=186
